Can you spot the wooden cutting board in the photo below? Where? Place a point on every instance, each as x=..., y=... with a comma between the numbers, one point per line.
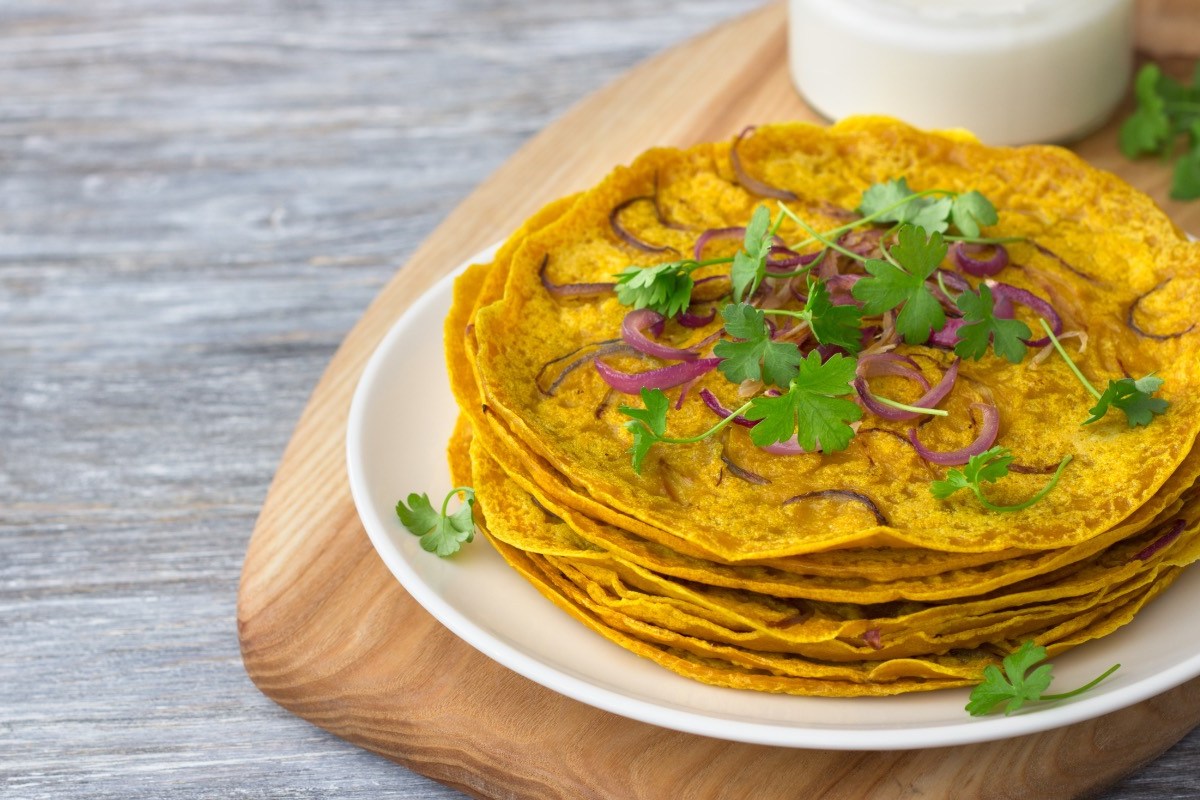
x=329, y=634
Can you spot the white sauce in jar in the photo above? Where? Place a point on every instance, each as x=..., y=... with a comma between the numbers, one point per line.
x=1011, y=71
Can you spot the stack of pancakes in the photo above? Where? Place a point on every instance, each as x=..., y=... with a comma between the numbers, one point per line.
x=742, y=568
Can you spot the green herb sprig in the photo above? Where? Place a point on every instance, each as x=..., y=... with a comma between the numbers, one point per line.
x=898, y=281
x=988, y=467
x=440, y=533
x=1016, y=685
x=1006, y=336
x=1166, y=111
x=1134, y=397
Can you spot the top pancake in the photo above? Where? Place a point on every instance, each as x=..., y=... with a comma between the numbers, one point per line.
x=1113, y=247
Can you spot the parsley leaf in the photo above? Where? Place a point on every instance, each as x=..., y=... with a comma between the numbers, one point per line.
x=1017, y=686
x=750, y=263
x=1005, y=335
x=1133, y=397
x=972, y=210
x=887, y=200
x=1149, y=129
x=756, y=357
x=665, y=288
x=440, y=533
x=903, y=283
x=812, y=409
x=648, y=425
x=988, y=467
x=1185, y=184
x=838, y=325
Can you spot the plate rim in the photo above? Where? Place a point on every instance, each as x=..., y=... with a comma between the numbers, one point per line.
x=972, y=730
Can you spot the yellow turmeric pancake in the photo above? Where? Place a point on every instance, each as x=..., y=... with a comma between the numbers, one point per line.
x=836, y=573
x=1094, y=225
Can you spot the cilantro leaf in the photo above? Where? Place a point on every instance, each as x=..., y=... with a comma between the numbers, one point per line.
x=1185, y=183
x=894, y=201
x=1135, y=398
x=1006, y=335
x=971, y=211
x=665, y=288
x=756, y=357
x=648, y=425
x=441, y=533
x=890, y=285
x=749, y=264
x=812, y=409
x=1017, y=686
x=838, y=325
x=419, y=516
x=988, y=467
x=1149, y=129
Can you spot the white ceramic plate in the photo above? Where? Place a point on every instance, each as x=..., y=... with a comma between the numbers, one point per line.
x=400, y=421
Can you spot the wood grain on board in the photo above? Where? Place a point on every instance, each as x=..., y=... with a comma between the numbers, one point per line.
x=328, y=633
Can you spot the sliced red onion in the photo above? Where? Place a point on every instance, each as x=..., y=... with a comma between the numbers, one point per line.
x=689, y=319
x=735, y=232
x=632, y=331
x=840, y=286
x=953, y=458
x=1133, y=326
x=954, y=281
x=863, y=241
x=753, y=185
x=789, y=448
x=964, y=256
x=614, y=221
x=844, y=494
x=928, y=400
x=872, y=366
x=721, y=411
x=1046, y=251
x=662, y=378
x=743, y=473
x=1171, y=535
x=785, y=260
x=606, y=348
x=561, y=290
x=871, y=639
x=947, y=337
x=1042, y=308
x=683, y=391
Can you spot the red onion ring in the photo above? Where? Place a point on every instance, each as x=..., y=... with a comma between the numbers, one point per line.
x=872, y=366
x=789, y=448
x=662, y=378
x=632, y=331
x=1133, y=326
x=753, y=185
x=953, y=458
x=606, y=348
x=561, y=290
x=863, y=241
x=688, y=319
x=928, y=400
x=614, y=222
x=947, y=337
x=954, y=281
x=721, y=411
x=1171, y=535
x=871, y=638
x=735, y=232
x=979, y=267
x=743, y=473
x=787, y=260
x=1002, y=291
x=1046, y=251
x=844, y=494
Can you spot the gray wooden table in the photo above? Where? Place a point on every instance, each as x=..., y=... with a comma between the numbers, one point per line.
x=199, y=198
